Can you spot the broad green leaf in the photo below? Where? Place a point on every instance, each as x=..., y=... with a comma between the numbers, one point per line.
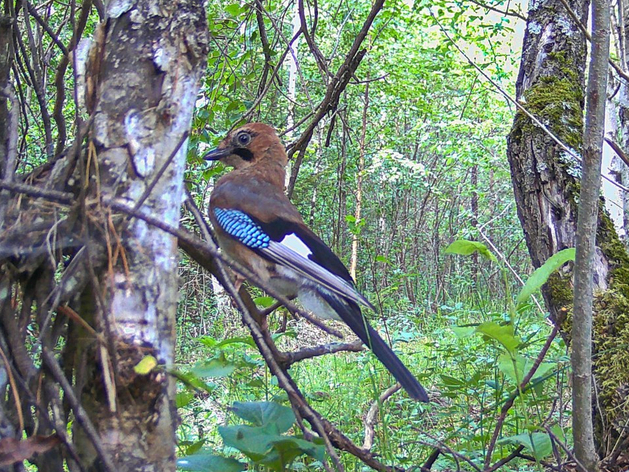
x=234, y=9
x=189, y=379
x=539, y=444
x=383, y=259
x=523, y=365
x=217, y=367
x=289, y=448
x=210, y=463
x=146, y=365
x=452, y=382
x=463, y=332
x=214, y=344
x=501, y=333
x=252, y=441
x=265, y=414
x=248, y=340
x=264, y=302
x=195, y=447
x=183, y=398
x=558, y=431
x=540, y=276
x=466, y=248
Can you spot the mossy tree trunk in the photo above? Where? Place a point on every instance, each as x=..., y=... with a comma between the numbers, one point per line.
x=546, y=184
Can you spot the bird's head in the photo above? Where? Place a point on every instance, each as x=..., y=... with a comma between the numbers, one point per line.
x=248, y=145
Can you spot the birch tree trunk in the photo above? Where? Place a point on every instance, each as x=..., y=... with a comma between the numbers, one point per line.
x=145, y=67
x=359, y=185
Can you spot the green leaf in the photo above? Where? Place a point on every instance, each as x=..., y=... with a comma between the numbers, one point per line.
x=289, y=448
x=195, y=447
x=463, y=332
x=234, y=9
x=523, y=366
x=452, y=382
x=146, y=365
x=464, y=247
x=264, y=302
x=501, y=333
x=265, y=414
x=210, y=463
x=212, y=343
x=217, y=367
x=540, y=276
x=190, y=380
x=183, y=398
x=252, y=441
x=383, y=259
x=538, y=443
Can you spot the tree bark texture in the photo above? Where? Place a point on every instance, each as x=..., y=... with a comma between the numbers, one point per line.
x=546, y=182
x=550, y=85
x=96, y=288
x=582, y=424
x=145, y=67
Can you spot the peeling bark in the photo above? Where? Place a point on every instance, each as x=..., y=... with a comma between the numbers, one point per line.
x=144, y=73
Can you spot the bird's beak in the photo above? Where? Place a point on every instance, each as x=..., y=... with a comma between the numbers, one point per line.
x=217, y=154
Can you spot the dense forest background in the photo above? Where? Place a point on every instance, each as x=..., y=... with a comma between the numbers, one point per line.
x=434, y=146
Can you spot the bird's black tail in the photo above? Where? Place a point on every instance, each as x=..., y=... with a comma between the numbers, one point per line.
x=350, y=313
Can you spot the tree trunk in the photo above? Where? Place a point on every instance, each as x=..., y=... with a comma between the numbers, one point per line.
x=583, y=431
x=150, y=58
x=550, y=84
x=359, y=186
x=546, y=184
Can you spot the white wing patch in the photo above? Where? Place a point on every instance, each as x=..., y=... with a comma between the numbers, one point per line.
x=293, y=242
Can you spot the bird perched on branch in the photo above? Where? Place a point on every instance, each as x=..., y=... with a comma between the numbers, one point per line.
x=259, y=227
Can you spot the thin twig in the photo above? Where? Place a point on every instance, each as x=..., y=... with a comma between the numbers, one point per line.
x=79, y=412
x=372, y=414
x=518, y=105
x=509, y=403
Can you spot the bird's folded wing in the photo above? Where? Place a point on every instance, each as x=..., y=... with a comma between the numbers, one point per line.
x=284, y=255
x=291, y=245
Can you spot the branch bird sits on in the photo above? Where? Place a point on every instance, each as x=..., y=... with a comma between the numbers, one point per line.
x=258, y=226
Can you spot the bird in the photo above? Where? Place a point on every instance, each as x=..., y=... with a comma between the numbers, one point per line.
x=258, y=226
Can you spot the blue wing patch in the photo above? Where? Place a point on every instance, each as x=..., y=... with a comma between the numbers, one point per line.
x=240, y=226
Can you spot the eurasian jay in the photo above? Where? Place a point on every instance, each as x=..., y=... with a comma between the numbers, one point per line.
x=258, y=226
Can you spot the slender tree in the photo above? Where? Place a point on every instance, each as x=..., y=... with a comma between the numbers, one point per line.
x=583, y=430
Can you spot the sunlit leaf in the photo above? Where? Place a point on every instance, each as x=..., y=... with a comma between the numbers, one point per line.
x=540, y=276
x=214, y=368
x=539, y=444
x=504, y=334
x=265, y=413
x=146, y=365
x=464, y=247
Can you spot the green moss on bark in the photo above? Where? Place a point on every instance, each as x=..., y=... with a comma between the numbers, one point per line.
x=557, y=103
x=611, y=328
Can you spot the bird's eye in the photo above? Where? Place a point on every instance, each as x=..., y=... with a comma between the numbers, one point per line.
x=243, y=138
